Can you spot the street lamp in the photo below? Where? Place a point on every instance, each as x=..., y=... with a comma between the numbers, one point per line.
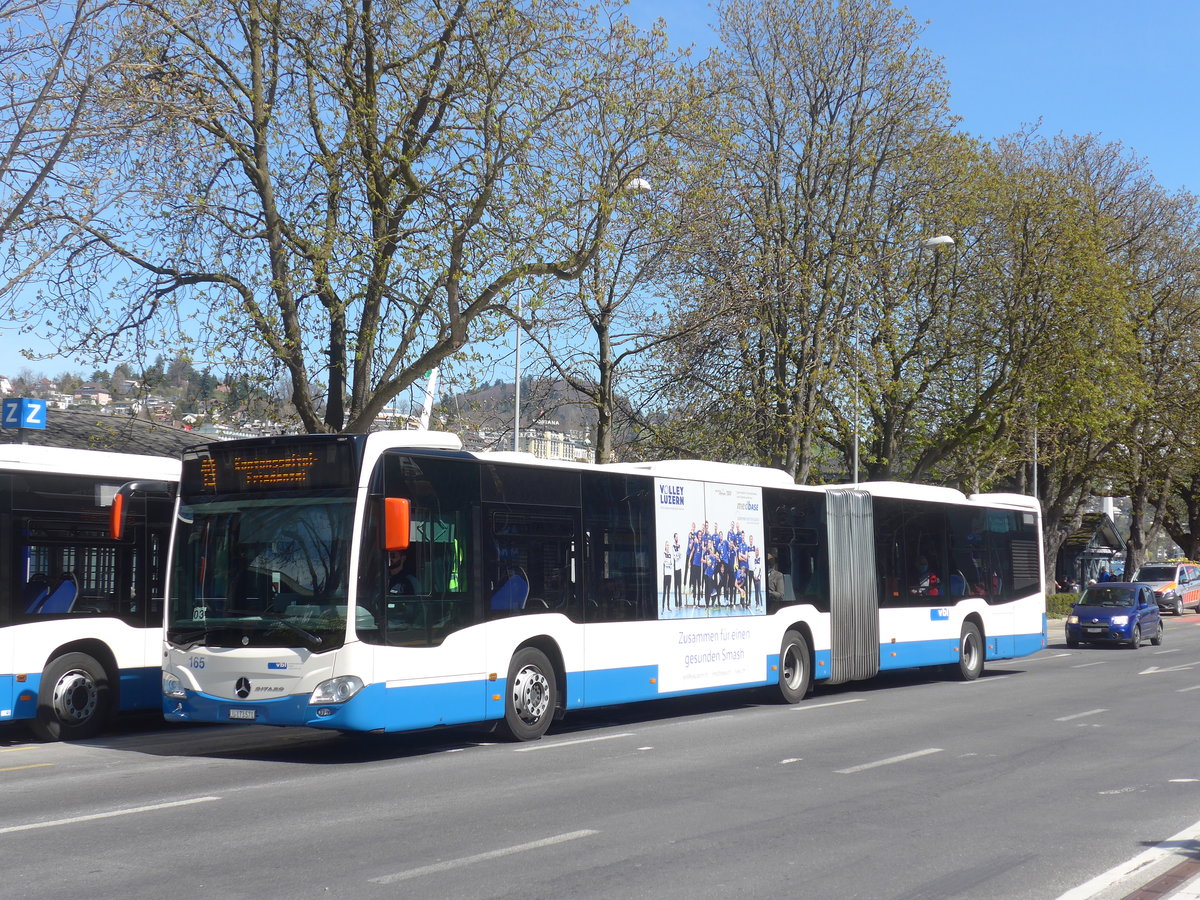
x=942, y=240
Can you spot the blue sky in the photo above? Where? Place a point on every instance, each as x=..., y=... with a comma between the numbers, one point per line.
x=1129, y=72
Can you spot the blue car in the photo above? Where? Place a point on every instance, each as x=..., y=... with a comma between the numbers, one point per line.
x=1116, y=611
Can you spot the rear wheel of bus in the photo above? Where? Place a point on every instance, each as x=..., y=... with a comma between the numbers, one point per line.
x=74, y=699
x=795, y=670
x=970, y=652
x=531, y=695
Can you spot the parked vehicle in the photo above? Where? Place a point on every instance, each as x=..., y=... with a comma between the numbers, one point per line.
x=1116, y=611
x=1176, y=584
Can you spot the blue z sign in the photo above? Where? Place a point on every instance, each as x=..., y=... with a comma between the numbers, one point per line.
x=24, y=412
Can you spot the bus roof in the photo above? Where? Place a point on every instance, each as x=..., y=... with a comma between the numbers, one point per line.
x=103, y=464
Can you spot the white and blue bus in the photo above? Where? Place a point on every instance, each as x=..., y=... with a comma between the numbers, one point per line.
x=392, y=581
x=80, y=613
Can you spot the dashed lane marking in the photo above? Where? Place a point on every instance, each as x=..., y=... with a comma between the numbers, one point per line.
x=551, y=745
x=1080, y=715
x=905, y=757
x=129, y=811
x=482, y=857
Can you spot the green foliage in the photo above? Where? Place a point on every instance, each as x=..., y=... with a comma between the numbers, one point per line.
x=1059, y=605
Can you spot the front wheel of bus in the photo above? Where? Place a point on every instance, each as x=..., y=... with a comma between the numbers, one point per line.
x=74, y=699
x=795, y=673
x=970, y=655
x=532, y=695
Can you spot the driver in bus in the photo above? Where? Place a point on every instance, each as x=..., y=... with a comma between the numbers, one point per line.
x=926, y=581
x=401, y=578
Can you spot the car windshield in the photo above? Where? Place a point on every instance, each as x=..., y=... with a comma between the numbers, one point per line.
x=1108, y=596
x=1156, y=573
x=267, y=573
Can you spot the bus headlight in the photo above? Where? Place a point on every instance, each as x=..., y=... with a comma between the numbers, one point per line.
x=336, y=690
x=172, y=687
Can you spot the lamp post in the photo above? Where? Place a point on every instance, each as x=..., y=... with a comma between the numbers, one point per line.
x=517, y=385
x=927, y=244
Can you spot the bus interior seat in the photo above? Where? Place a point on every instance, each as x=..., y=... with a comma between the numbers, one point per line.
x=33, y=594
x=61, y=599
x=513, y=593
x=958, y=584
x=789, y=592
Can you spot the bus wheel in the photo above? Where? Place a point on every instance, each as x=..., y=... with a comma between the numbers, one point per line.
x=795, y=673
x=74, y=699
x=532, y=695
x=970, y=655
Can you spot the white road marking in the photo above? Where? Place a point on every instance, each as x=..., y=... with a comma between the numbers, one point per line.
x=889, y=761
x=1090, y=712
x=1177, y=843
x=1194, y=687
x=482, y=857
x=551, y=745
x=785, y=762
x=1172, y=650
x=1085, y=665
x=994, y=678
x=1154, y=670
x=1026, y=659
x=105, y=815
x=803, y=706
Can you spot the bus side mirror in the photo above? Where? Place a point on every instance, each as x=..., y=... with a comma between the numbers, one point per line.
x=116, y=515
x=396, y=521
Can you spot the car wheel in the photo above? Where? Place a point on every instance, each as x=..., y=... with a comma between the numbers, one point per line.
x=1136, y=640
x=1158, y=634
x=1178, y=607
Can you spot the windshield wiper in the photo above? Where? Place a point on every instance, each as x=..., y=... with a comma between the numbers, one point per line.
x=316, y=639
x=190, y=639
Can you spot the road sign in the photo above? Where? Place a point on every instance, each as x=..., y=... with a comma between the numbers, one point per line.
x=24, y=412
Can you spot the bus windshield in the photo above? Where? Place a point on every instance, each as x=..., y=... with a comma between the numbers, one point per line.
x=262, y=572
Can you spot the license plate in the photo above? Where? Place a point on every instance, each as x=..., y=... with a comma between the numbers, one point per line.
x=243, y=714
x=1088, y=630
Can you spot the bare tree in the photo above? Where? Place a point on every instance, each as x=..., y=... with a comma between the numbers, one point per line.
x=344, y=189
x=55, y=58
x=825, y=101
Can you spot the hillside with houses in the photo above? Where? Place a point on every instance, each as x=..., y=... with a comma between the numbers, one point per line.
x=555, y=422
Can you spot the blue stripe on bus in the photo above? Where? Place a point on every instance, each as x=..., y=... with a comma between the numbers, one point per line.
x=6, y=697
x=1026, y=644
x=377, y=707
x=913, y=654
x=140, y=688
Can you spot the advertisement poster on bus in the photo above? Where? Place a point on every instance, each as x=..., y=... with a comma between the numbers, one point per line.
x=711, y=567
x=709, y=549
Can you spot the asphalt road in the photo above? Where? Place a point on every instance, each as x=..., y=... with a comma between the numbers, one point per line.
x=1031, y=782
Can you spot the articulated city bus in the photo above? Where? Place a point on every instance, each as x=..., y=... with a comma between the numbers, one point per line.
x=80, y=613
x=392, y=581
